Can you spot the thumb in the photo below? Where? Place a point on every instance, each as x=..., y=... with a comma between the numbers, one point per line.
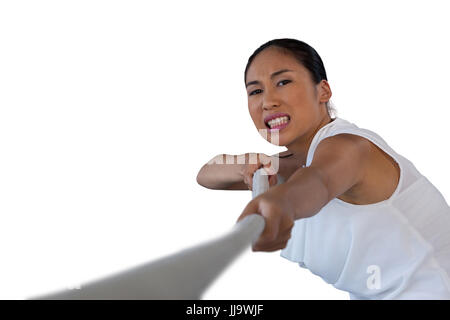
x=273, y=180
x=251, y=208
x=269, y=168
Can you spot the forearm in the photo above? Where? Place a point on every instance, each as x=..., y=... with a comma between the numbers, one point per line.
x=221, y=171
x=306, y=192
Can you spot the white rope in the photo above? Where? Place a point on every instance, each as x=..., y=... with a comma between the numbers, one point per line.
x=183, y=275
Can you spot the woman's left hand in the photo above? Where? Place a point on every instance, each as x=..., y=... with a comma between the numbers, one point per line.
x=279, y=217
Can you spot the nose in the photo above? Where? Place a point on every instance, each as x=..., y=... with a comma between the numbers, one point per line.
x=270, y=100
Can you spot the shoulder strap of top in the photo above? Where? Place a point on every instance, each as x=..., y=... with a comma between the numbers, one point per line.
x=339, y=126
x=408, y=173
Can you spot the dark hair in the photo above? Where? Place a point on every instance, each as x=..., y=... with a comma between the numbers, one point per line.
x=305, y=55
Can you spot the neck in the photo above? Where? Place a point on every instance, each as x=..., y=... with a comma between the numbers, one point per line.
x=299, y=148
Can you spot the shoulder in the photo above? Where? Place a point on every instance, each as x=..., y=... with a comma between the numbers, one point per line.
x=346, y=140
x=341, y=161
x=344, y=145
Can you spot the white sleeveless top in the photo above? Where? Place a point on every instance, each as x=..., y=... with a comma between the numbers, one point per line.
x=398, y=248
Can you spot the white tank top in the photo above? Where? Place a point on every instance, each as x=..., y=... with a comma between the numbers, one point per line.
x=398, y=248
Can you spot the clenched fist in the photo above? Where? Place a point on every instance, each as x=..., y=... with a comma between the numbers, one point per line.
x=268, y=163
x=279, y=218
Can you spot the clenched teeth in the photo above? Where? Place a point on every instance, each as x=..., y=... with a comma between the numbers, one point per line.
x=277, y=121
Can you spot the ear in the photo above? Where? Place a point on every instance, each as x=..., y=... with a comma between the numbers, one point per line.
x=324, y=91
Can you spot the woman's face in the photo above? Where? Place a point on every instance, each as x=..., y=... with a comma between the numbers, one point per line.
x=292, y=93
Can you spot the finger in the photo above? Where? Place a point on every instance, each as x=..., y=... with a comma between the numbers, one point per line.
x=273, y=180
x=278, y=244
x=248, y=176
x=286, y=228
x=273, y=235
x=265, y=160
x=250, y=208
x=266, y=249
x=271, y=230
x=268, y=243
x=268, y=236
x=269, y=247
x=285, y=238
x=246, y=181
x=269, y=169
x=250, y=181
x=249, y=173
x=268, y=164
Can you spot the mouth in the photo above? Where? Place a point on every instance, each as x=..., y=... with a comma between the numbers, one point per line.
x=278, y=122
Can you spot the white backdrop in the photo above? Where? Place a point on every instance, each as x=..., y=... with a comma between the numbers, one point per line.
x=108, y=109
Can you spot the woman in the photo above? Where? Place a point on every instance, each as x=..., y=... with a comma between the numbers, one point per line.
x=350, y=209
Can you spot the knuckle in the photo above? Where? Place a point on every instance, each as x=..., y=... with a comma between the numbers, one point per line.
x=256, y=248
x=289, y=226
x=271, y=236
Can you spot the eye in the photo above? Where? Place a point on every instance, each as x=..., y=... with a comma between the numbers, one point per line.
x=251, y=93
x=284, y=81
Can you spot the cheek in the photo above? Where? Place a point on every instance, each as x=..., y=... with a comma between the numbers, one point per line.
x=298, y=95
x=255, y=113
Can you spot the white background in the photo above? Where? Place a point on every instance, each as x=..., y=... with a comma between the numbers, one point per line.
x=108, y=109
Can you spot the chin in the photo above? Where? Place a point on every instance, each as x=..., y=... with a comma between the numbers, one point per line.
x=281, y=142
x=268, y=136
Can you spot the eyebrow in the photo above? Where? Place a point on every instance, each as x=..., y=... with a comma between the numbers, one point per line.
x=271, y=76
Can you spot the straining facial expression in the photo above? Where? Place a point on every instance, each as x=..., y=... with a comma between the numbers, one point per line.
x=282, y=96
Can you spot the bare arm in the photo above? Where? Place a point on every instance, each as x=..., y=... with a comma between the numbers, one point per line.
x=339, y=164
x=219, y=175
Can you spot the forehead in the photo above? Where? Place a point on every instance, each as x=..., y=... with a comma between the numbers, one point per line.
x=271, y=60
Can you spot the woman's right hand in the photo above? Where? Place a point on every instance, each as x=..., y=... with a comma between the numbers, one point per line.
x=262, y=161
